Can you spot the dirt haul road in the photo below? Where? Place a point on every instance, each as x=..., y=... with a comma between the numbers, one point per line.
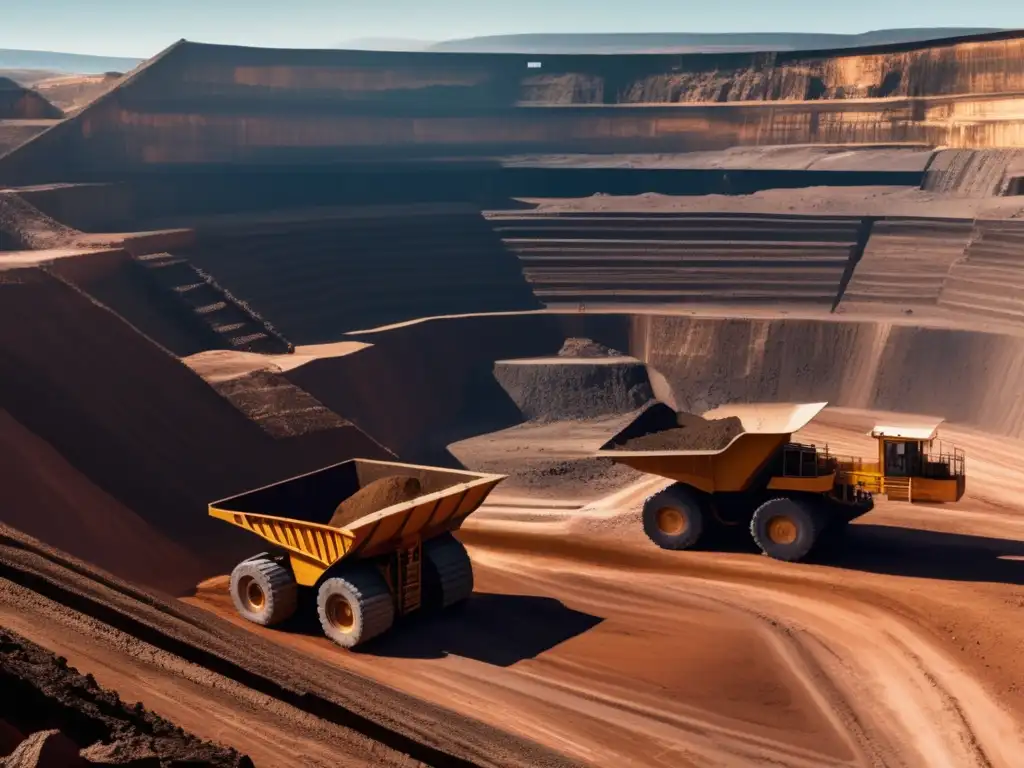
x=228, y=686
x=907, y=651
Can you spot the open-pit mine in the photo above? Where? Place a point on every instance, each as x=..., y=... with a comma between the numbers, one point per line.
x=450, y=409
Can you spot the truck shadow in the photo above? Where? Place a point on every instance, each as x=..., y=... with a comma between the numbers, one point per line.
x=927, y=554
x=496, y=629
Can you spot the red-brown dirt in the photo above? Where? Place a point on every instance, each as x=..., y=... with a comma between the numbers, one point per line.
x=144, y=428
x=41, y=487
x=583, y=637
x=42, y=693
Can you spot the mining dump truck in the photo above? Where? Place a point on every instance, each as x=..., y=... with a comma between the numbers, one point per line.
x=372, y=538
x=751, y=474
x=788, y=494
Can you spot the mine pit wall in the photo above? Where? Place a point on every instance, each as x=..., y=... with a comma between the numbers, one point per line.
x=148, y=201
x=371, y=267
x=198, y=105
x=906, y=261
x=99, y=207
x=976, y=172
x=120, y=142
x=23, y=104
x=118, y=282
x=423, y=386
x=967, y=377
x=606, y=258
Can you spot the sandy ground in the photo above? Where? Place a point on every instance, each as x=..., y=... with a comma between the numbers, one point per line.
x=787, y=158
x=581, y=634
x=73, y=92
x=14, y=133
x=852, y=201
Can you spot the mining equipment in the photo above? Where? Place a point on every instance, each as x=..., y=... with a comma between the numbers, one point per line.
x=789, y=495
x=365, y=572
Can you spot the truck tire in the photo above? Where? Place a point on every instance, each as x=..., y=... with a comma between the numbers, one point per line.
x=785, y=528
x=447, y=576
x=263, y=591
x=674, y=518
x=355, y=605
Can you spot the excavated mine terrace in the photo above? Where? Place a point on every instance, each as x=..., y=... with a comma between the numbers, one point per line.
x=239, y=265
x=167, y=339
x=583, y=643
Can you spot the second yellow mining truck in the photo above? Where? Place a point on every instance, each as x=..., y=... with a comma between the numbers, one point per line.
x=368, y=571
x=786, y=493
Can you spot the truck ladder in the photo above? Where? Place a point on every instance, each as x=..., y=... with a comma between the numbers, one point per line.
x=899, y=488
x=410, y=566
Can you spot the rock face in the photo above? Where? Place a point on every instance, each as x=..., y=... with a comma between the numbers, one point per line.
x=18, y=103
x=188, y=105
x=45, y=749
x=574, y=387
x=73, y=722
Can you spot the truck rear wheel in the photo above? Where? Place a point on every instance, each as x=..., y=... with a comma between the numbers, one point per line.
x=447, y=572
x=674, y=518
x=263, y=591
x=355, y=605
x=786, y=529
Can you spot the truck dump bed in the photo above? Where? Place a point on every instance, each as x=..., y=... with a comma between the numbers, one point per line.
x=295, y=514
x=765, y=428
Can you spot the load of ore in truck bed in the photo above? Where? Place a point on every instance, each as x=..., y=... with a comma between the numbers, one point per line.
x=667, y=431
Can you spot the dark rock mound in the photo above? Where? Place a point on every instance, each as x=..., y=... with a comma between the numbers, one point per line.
x=660, y=428
x=579, y=347
x=550, y=390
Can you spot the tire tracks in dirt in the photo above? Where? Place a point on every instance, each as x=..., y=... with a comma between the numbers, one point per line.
x=897, y=697
x=374, y=714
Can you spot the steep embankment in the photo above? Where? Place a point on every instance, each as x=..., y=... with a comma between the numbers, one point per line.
x=988, y=281
x=137, y=422
x=116, y=280
x=369, y=268
x=422, y=386
x=906, y=261
x=968, y=377
x=47, y=498
x=18, y=103
x=198, y=106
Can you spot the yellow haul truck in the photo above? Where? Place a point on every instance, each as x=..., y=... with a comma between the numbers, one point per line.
x=366, y=571
x=788, y=494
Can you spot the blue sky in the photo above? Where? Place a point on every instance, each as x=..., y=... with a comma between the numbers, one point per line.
x=143, y=27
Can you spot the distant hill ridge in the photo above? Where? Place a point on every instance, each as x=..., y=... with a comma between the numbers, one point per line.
x=65, y=63
x=695, y=42
x=655, y=42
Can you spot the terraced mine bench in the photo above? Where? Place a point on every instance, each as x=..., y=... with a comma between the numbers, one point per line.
x=367, y=569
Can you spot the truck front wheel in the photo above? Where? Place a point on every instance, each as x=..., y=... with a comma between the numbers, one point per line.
x=785, y=528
